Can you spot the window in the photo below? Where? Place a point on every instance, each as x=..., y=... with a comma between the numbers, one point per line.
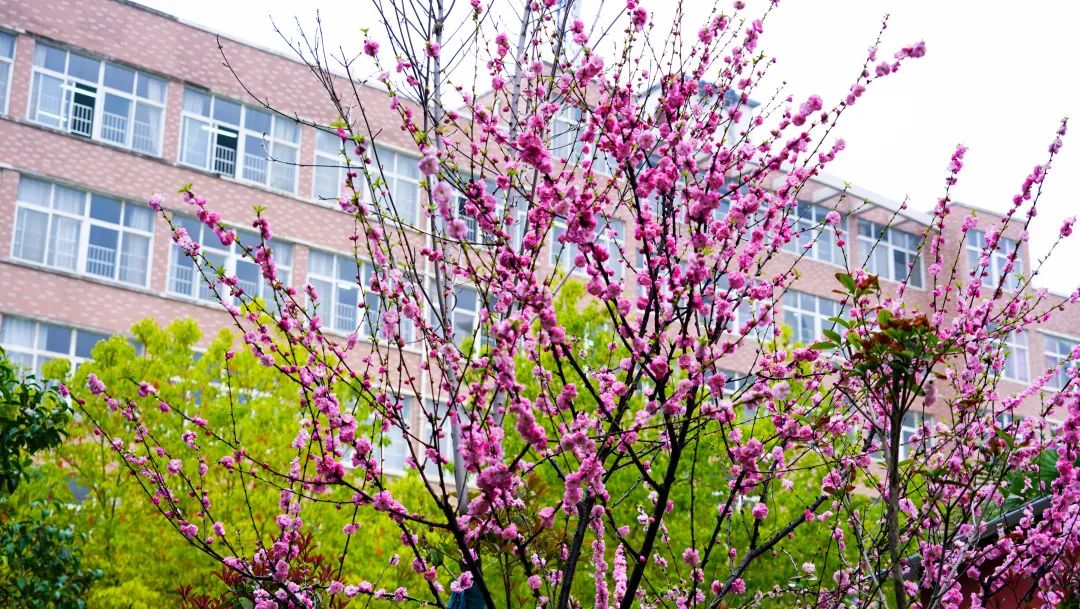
x=464, y=316
x=565, y=129
x=808, y=315
x=97, y=99
x=994, y=271
x=912, y=424
x=91, y=234
x=238, y=141
x=890, y=257
x=608, y=236
x=335, y=278
x=474, y=233
x=401, y=185
x=439, y=436
x=186, y=280
x=31, y=344
x=811, y=229
x=1058, y=352
x=393, y=451
x=736, y=381
x=7, y=56
x=330, y=170
x=1016, y=357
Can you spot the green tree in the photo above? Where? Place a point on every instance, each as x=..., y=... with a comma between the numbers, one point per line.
x=41, y=564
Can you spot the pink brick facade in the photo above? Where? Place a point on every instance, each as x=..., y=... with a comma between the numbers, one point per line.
x=186, y=56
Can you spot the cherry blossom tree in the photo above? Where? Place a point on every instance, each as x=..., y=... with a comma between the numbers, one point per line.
x=620, y=464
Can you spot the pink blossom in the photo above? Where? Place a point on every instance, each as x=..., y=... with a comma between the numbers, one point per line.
x=371, y=47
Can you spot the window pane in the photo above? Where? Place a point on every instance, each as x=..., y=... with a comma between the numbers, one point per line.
x=196, y=102
x=134, y=256
x=69, y=199
x=327, y=143
x=320, y=263
x=7, y=45
x=138, y=217
x=49, y=57
x=115, y=119
x=17, y=332
x=196, y=142
x=282, y=252
x=327, y=182
x=226, y=111
x=347, y=270
x=101, y=251
x=5, y=70
x=31, y=228
x=85, y=342
x=47, y=100
x=64, y=243
x=55, y=339
x=257, y=120
x=286, y=130
x=85, y=68
x=105, y=209
x=147, y=129
x=152, y=88
x=120, y=78
x=34, y=191
x=283, y=173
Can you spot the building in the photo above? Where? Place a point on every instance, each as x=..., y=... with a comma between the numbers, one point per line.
x=103, y=102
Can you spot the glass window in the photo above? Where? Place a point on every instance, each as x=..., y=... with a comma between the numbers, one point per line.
x=808, y=315
x=343, y=283
x=400, y=193
x=186, y=280
x=7, y=57
x=31, y=344
x=1016, y=357
x=96, y=99
x=812, y=234
x=330, y=167
x=993, y=266
x=239, y=141
x=394, y=448
x=912, y=424
x=889, y=253
x=106, y=238
x=1058, y=353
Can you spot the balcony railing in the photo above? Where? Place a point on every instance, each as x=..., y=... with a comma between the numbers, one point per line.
x=224, y=160
x=81, y=121
x=255, y=168
x=100, y=260
x=114, y=128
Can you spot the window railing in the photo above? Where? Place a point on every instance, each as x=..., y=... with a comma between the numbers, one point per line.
x=224, y=159
x=82, y=119
x=255, y=167
x=100, y=260
x=113, y=127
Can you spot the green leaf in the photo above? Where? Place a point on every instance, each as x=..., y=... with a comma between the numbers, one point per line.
x=847, y=281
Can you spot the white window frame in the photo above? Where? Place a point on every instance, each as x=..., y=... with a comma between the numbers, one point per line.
x=793, y=304
x=1017, y=355
x=9, y=61
x=884, y=251
x=912, y=423
x=974, y=243
x=230, y=257
x=566, y=127
x=1057, y=360
x=270, y=144
x=368, y=319
x=327, y=162
x=809, y=226
x=397, y=170
x=97, y=90
x=86, y=222
x=38, y=353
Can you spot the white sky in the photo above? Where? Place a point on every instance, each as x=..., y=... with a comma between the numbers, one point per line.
x=997, y=78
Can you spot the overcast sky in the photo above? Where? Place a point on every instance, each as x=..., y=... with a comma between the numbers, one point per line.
x=997, y=78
